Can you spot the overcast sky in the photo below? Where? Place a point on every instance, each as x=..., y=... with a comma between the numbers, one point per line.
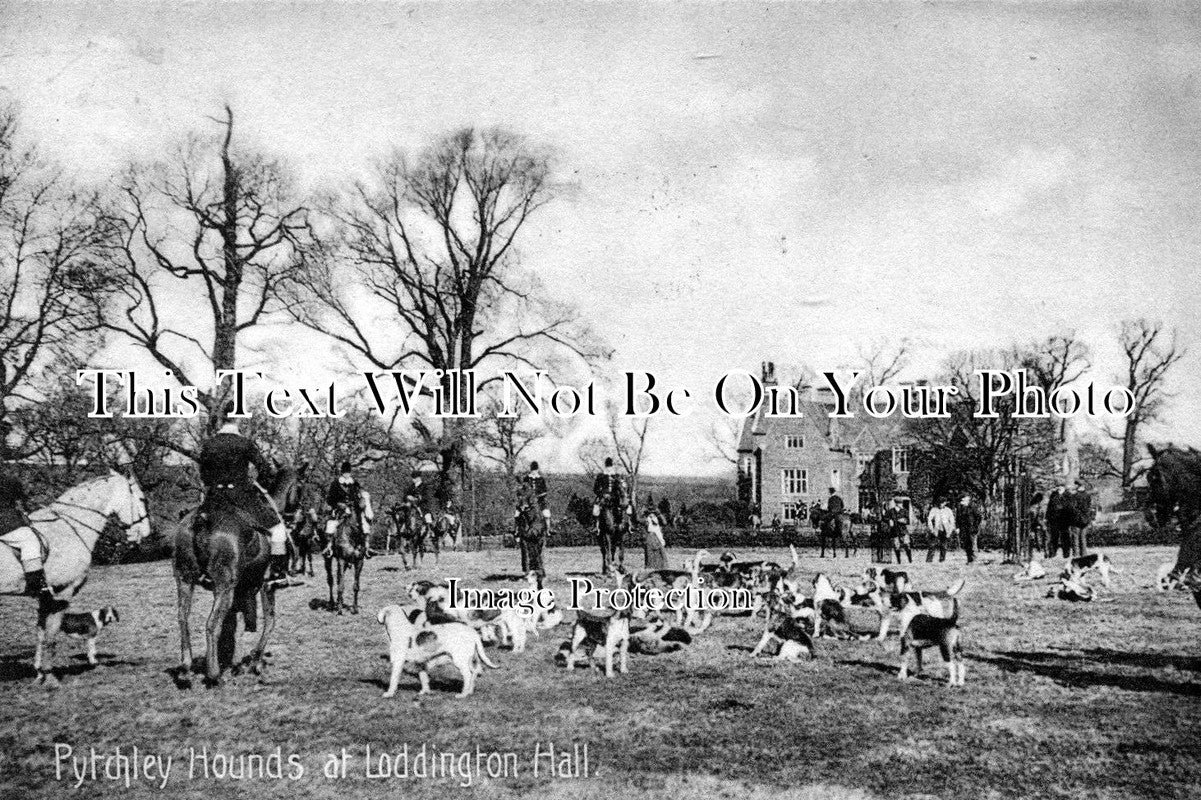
x=749, y=182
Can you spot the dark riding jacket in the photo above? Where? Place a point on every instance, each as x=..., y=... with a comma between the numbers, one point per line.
x=835, y=505
x=610, y=491
x=344, y=495
x=535, y=491
x=12, y=500
x=225, y=463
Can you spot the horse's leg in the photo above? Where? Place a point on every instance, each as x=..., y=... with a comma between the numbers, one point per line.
x=215, y=627
x=50, y=620
x=358, y=571
x=340, y=569
x=184, y=592
x=329, y=579
x=602, y=537
x=257, y=662
x=437, y=547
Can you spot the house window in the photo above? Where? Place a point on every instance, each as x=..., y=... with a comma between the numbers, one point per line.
x=794, y=481
x=789, y=512
x=835, y=479
x=900, y=460
x=794, y=442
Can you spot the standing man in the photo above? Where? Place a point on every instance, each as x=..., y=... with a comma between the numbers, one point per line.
x=1058, y=512
x=897, y=520
x=941, y=522
x=1037, y=525
x=967, y=520
x=834, y=510
x=1080, y=506
x=225, y=462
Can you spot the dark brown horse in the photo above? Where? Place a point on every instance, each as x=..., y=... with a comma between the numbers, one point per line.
x=1174, y=481
x=413, y=532
x=531, y=534
x=833, y=529
x=611, y=530
x=234, y=554
x=347, y=550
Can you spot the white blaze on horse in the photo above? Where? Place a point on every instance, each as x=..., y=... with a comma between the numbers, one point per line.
x=70, y=527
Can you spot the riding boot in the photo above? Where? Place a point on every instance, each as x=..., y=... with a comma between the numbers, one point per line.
x=36, y=586
x=278, y=573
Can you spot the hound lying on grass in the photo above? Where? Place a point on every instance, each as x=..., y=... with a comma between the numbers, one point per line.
x=420, y=646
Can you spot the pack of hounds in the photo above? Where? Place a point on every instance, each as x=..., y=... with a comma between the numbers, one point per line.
x=795, y=611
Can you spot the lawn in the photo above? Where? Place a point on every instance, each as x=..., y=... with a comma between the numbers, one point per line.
x=1098, y=700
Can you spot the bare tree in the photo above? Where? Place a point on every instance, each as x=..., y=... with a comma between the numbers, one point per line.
x=882, y=361
x=51, y=278
x=970, y=451
x=625, y=441
x=417, y=269
x=504, y=439
x=722, y=438
x=205, y=242
x=1150, y=352
x=1057, y=361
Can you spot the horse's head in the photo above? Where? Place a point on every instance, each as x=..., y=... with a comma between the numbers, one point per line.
x=127, y=502
x=1174, y=485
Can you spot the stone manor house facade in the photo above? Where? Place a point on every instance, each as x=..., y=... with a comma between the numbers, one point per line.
x=786, y=463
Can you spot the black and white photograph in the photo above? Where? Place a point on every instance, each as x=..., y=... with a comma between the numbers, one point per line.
x=581, y=400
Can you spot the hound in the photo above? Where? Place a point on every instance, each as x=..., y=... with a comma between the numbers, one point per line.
x=84, y=626
x=926, y=631
x=1077, y=567
x=906, y=603
x=418, y=646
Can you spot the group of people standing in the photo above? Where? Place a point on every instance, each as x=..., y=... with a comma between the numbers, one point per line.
x=1059, y=522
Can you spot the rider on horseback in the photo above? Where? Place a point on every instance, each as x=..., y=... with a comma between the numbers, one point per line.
x=609, y=491
x=225, y=463
x=533, y=494
x=16, y=532
x=422, y=495
x=345, y=496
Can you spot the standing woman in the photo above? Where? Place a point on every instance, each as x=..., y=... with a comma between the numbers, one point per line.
x=655, y=544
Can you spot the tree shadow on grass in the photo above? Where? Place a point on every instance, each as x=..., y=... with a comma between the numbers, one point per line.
x=1086, y=669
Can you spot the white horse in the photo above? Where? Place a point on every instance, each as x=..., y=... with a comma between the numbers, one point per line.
x=70, y=527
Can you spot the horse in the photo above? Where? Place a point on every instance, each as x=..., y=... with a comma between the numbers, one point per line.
x=831, y=528
x=448, y=526
x=302, y=538
x=1174, y=481
x=70, y=526
x=234, y=555
x=530, y=537
x=611, y=533
x=413, y=532
x=346, y=551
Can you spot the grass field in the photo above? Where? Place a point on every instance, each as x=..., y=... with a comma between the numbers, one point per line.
x=1097, y=700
